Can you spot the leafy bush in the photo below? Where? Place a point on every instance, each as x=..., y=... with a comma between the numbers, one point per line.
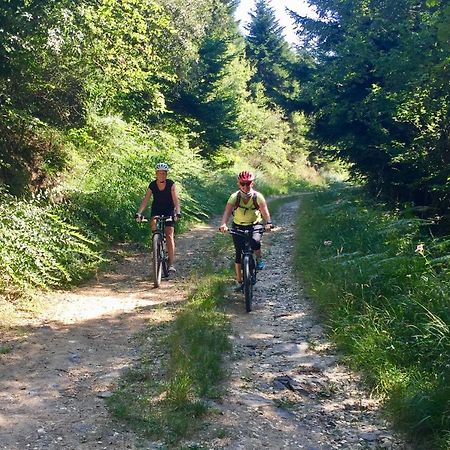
x=40, y=246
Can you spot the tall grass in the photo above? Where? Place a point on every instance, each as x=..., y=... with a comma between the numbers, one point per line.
x=167, y=400
x=383, y=283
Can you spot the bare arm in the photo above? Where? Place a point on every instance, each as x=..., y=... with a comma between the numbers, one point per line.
x=145, y=201
x=175, y=199
x=266, y=215
x=226, y=215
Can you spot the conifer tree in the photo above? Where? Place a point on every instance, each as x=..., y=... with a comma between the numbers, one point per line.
x=209, y=100
x=270, y=55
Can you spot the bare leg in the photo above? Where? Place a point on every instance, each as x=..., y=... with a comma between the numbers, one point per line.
x=237, y=267
x=258, y=254
x=170, y=244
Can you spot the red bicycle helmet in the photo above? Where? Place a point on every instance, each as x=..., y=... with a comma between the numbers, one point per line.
x=246, y=176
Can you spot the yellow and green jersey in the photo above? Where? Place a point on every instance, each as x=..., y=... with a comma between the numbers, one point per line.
x=246, y=213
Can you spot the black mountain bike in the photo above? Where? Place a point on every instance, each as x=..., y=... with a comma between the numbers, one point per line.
x=248, y=265
x=160, y=257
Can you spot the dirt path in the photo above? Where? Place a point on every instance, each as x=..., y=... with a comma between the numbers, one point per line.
x=286, y=387
x=53, y=383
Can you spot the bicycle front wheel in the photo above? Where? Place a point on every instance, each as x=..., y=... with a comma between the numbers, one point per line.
x=165, y=260
x=157, y=260
x=248, y=282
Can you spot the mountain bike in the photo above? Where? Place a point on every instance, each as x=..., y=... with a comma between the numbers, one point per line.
x=160, y=256
x=248, y=265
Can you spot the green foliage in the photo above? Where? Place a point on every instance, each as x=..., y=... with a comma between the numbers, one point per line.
x=210, y=97
x=275, y=147
x=271, y=56
x=174, y=66
x=112, y=180
x=381, y=93
x=383, y=284
x=121, y=49
x=60, y=59
x=40, y=246
x=33, y=153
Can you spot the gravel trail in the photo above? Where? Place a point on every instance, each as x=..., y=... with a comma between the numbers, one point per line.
x=287, y=388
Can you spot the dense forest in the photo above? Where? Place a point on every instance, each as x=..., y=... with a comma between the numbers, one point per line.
x=94, y=92
x=380, y=94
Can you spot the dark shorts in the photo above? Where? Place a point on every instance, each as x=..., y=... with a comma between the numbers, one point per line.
x=159, y=212
x=239, y=241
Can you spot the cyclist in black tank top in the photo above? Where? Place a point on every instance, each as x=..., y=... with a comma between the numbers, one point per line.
x=165, y=203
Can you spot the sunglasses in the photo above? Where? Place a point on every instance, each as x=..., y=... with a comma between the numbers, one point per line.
x=245, y=183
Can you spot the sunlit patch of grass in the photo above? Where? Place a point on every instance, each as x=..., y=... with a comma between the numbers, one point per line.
x=166, y=395
x=286, y=403
x=8, y=314
x=383, y=284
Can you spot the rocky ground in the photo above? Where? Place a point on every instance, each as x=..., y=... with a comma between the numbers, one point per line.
x=286, y=386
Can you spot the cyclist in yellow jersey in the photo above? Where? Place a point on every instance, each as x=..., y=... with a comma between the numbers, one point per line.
x=249, y=208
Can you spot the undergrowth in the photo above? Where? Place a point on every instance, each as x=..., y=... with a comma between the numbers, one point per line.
x=382, y=281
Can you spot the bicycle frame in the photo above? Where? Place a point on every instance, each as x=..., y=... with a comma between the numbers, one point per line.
x=160, y=263
x=248, y=265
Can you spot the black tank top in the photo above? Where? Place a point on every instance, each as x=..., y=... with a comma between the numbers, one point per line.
x=162, y=200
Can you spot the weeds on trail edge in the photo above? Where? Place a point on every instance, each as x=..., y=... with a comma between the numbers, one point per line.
x=383, y=283
x=166, y=395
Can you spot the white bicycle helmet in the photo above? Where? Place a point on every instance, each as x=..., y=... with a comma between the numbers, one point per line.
x=162, y=166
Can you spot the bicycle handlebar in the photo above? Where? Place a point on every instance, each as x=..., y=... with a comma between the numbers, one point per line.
x=245, y=233
x=164, y=218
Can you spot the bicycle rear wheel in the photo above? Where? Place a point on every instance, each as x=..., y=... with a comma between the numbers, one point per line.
x=248, y=283
x=157, y=261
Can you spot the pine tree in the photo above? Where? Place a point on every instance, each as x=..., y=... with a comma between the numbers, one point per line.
x=210, y=98
x=270, y=55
